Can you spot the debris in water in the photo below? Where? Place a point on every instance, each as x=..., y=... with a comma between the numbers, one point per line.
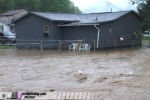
x=52, y=90
x=80, y=76
x=80, y=72
x=81, y=80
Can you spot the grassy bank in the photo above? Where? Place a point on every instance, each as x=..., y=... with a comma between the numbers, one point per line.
x=146, y=38
x=7, y=47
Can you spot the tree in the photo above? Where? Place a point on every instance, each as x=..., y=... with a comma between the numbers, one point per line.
x=144, y=11
x=74, y=9
x=137, y=1
x=77, y=10
x=65, y=6
x=31, y=5
x=5, y=5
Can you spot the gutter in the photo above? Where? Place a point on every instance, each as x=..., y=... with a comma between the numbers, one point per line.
x=97, y=35
x=77, y=24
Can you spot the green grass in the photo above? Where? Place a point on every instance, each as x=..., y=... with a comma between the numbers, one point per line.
x=7, y=47
x=146, y=38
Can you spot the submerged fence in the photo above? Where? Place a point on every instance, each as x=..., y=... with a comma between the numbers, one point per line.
x=6, y=42
x=64, y=44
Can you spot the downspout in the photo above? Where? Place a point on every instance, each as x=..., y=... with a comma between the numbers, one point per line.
x=97, y=35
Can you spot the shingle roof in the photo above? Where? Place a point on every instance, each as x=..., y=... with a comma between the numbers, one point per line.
x=102, y=17
x=82, y=19
x=57, y=16
x=11, y=12
x=93, y=17
x=96, y=18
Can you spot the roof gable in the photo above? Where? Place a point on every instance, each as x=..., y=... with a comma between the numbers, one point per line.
x=12, y=12
x=134, y=13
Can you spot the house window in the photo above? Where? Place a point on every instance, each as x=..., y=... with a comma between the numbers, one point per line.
x=1, y=28
x=46, y=31
x=12, y=28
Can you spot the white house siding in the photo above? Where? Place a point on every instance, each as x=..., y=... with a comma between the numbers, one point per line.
x=5, y=27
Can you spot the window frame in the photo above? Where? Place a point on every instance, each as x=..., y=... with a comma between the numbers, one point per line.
x=12, y=28
x=46, y=29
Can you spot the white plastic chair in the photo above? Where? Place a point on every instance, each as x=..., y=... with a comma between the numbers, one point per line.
x=73, y=47
x=85, y=47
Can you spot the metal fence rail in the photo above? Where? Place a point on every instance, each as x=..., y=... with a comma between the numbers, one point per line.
x=46, y=44
x=64, y=44
x=7, y=42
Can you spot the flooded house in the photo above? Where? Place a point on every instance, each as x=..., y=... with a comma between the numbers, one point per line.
x=106, y=29
x=7, y=18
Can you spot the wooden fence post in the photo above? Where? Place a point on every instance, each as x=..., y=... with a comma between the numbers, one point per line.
x=94, y=45
x=11, y=42
x=115, y=45
x=106, y=46
x=132, y=43
x=41, y=47
x=121, y=46
x=59, y=47
x=84, y=44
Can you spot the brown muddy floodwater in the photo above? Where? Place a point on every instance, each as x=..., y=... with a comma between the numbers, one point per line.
x=116, y=76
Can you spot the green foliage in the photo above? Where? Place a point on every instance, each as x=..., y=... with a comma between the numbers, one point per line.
x=137, y=1
x=144, y=11
x=65, y=6
x=5, y=5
